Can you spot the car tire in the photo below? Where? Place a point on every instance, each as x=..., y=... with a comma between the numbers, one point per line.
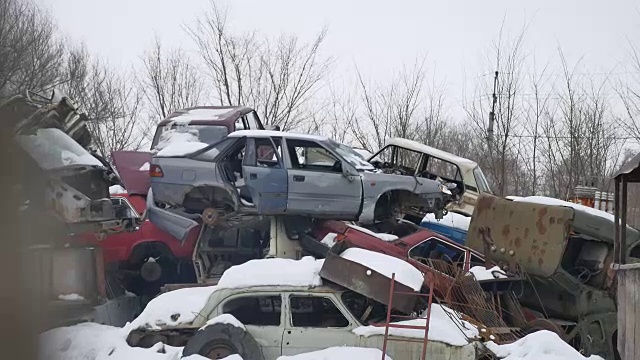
x=218, y=341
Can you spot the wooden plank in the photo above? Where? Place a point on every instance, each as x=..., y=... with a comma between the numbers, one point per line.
x=629, y=313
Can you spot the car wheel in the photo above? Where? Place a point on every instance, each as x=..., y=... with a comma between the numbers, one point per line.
x=544, y=324
x=218, y=341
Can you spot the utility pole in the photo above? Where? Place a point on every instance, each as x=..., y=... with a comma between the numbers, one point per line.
x=492, y=113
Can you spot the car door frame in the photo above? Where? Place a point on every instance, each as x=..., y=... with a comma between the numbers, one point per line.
x=314, y=336
x=268, y=186
x=336, y=204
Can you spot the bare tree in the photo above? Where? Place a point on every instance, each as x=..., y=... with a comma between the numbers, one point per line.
x=629, y=93
x=31, y=55
x=278, y=79
x=170, y=81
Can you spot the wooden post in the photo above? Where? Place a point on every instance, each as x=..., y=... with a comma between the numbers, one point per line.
x=628, y=311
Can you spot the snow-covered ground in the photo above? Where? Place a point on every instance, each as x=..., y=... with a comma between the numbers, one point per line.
x=537, y=346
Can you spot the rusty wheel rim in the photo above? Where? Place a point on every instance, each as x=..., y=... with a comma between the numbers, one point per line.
x=220, y=352
x=210, y=216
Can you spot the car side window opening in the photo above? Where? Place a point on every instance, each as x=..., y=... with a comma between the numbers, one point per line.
x=398, y=160
x=443, y=169
x=123, y=209
x=309, y=155
x=266, y=154
x=252, y=120
x=255, y=310
x=434, y=249
x=232, y=163
x=315, y=311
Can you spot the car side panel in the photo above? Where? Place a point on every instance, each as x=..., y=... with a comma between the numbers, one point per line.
x=323, y=194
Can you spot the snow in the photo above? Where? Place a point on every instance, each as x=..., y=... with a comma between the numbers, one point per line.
x=95, y=341
x=339, y=353
x=329, y=239
x=381, y=236
x=386, y=265
x=173, y=308
x=230, y=357
x=198, y=114
x=444, y=326
x=557, y=202
x=482, y=273
x=181, y=149
x=452, y=219
x=144, y=167
x=70, y=297
x=225, y=319
x=362, y=152
x=70, y=158
x=273, y=272
x=51, y=148
x=116, y=189
x=538, y=345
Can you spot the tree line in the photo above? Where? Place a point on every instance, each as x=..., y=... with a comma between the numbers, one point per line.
x=555, y=126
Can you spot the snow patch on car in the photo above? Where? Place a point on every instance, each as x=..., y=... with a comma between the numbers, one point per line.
x=542, y=344
x=225, y=319
x=188, y=115
x=482, y=273
x=179, y=142
x=339, y=352
x=173, y=308
x=181, y=149
x=145, y=167
x=452, y=219
x=381, y=236
x=386, y=265
x=116, y=189
x=557, y=202
x=273, y=272
x=444, y=326
x=329, y=239
x=70, y=297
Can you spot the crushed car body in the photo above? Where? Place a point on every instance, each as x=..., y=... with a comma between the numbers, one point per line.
x=253, y=173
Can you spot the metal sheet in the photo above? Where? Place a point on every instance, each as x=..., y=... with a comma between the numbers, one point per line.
x=531, y=235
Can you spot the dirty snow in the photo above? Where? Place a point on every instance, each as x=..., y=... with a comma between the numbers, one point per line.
x=181, y=149
x=538, y=345
x=116, y=189
x=70, y=297
x=94, y=341
x=70, y=158
x=145, y=167
x=557, y=202
x=482, y=273
x=339, y=353
x=198, y=114
x=270, y=272
x=381, y=236
x=329, y=239
x=444, y=326
x=452, y=219
x=225, y=319
x=173, y=308
x=386, y=265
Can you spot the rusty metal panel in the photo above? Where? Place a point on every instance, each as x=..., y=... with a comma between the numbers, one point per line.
x=367, y=282
x=531, y=235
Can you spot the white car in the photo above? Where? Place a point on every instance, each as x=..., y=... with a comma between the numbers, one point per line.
x=265, y=322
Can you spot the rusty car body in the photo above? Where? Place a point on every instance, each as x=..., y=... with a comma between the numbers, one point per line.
x=566, y=250
x=264, y=172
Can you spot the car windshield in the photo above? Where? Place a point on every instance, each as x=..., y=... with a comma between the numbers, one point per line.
x=53, y=149
x=351, y=156
x=208, y=134
x=481, y=181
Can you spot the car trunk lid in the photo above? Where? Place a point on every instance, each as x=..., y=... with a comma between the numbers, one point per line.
x=133, y=167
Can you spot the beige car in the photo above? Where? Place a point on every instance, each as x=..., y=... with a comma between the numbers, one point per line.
x=413, y=158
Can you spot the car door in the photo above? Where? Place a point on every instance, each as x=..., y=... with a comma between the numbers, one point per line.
x=316, y=186
x=262, y=316
x=265, y=175
x=315, y=322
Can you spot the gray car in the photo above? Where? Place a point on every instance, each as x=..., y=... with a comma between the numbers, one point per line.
x=263, y=172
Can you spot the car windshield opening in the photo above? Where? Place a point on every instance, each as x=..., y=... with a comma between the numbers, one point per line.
x=51, y=148
x=351, y=156
x=481, y=181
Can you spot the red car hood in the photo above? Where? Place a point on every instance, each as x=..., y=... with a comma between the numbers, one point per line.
x=133, y=168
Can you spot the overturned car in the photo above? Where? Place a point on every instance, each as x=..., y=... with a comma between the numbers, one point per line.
x=263, y=172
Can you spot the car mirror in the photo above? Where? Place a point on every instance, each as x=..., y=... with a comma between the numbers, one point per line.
x=337, y=166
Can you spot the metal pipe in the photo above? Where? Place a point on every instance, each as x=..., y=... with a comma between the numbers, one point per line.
x=616, y=220
x=386, y=325
x=623, y=226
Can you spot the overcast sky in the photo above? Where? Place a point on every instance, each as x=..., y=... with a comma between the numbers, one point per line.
x=379, y=36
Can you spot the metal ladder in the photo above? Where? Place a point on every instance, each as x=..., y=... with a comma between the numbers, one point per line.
x=389, y=325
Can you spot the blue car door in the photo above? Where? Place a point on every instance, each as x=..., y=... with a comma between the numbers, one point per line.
x=265, y=175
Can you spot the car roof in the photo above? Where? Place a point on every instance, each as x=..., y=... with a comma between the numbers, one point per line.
x=206, y=115
x=272, y=133
x=416, y=146
x=326, y=287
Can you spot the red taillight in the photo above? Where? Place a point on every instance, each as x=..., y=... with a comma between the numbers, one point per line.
x=155, y=171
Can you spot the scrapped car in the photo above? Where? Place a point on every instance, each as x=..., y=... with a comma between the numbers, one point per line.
x=277, y=173
x=566, y=250
x=412, y=158
x=185, y=130
x=269, y=321
x=71, y=183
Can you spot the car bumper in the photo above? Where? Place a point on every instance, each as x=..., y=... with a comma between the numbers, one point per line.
x=174, y=222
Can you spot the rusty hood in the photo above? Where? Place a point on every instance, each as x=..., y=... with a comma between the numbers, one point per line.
x=531, y=235
x=133, y=168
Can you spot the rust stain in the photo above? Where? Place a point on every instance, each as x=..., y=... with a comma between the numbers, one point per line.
x=485, y=203
x=511, y=213
x=506, y=230
x=526, y=232
x=539, y=224
x=552, y=220
x=518, y=242
x=540, y=262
